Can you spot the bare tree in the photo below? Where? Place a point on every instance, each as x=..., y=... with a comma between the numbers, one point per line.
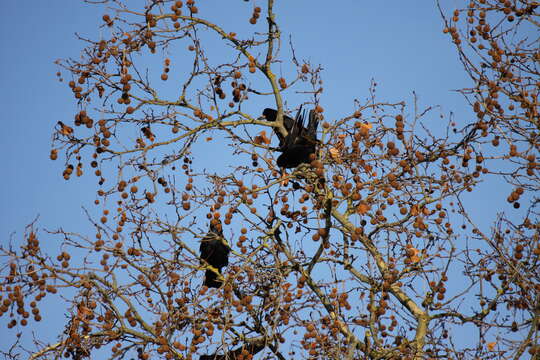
x=353, y=256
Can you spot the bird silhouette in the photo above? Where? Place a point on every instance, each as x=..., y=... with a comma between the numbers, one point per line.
x=215, y=252
x=296, y=148
x=288, y=122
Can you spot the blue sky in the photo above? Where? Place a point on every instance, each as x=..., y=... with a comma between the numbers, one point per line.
x=400, y=46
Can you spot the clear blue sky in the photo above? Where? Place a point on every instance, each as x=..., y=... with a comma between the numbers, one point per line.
x=399, y=45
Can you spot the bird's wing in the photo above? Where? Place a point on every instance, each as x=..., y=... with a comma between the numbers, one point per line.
x=309, y=136
x=288, y=122
x=313, y=124
x=206, y=244
x=296, y=131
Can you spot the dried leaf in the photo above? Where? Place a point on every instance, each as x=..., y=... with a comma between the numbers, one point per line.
x=264, y=138
x=334, y=153
x=64, y=129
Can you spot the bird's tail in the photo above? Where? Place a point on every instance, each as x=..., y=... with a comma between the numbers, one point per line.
x=211, y=279
x=313, y=124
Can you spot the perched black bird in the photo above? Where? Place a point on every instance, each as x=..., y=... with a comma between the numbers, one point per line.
x=300, y=141
x=215, y=252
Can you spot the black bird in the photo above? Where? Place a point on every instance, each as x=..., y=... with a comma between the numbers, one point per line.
x=300, y=141
x=215, y=252
x=288, y=123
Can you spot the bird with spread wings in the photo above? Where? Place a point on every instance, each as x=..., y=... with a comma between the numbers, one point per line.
x=300, y=142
